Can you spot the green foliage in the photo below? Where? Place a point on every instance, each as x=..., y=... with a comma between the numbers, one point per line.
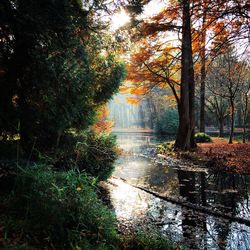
x=202, y=137
x=97, y=159
x=59, y=208
x=168, y=123
x=142, y=240
x=88, y=152
x=52, y=73
x=166, y=148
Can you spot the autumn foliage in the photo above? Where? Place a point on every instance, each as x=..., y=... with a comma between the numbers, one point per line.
x=103, y=125
x=155, y=60
x=233, y=158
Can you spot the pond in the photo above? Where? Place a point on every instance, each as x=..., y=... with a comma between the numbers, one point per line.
x=196, y=191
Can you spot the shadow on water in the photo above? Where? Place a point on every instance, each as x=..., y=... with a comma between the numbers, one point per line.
x=226, y=193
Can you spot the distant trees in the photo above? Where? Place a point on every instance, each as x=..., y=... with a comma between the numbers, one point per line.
x=215, y=24
x=216, y=104
x=53, y=72
x=228, y=84
x=244, y=103
x=168, y=122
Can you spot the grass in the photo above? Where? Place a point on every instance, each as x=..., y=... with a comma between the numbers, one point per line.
x=45, y=208
x=148, y=241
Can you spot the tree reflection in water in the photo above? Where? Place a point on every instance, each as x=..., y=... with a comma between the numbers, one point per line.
x=224, y=192
x=221, y=192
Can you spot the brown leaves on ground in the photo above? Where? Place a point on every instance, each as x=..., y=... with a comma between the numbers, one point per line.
x=233, y=158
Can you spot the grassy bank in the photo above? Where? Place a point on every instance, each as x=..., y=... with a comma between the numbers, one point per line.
x=52, y=203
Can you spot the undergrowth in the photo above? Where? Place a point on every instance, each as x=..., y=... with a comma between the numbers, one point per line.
x=202, y=137
x=59, y=209
x=89, y=152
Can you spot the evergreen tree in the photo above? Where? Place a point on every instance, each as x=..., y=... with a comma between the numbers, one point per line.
x=50, y=79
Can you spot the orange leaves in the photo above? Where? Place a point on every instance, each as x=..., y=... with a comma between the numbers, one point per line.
x=164, y=20
x=133, y=100
x=235, y=156
x=154, y=65
x=140, y=90
x=124, y=89
x=152, y=28
x=103, y=124
x=134, y=90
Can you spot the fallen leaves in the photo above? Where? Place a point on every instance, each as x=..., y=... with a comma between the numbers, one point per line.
x=234, y=158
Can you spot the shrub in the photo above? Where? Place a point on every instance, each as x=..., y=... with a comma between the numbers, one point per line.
x=168, y=123
x=90, y=152
x=166, y=148
x=97, y=155
x=150, y=240
x=202, y=137
x=60, y=208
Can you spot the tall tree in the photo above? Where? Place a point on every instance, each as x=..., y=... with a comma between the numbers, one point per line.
x=54, y=68
x=153, y=61
x=222, y=20
x=185, y=136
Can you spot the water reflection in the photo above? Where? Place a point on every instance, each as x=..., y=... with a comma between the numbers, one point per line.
x=226, y=193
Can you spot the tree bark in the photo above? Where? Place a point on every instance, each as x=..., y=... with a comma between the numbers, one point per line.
x=232, y=121
x=245, y=118
x=203, y=78
x=221, y=127
x=239, y=116
x=185, y=136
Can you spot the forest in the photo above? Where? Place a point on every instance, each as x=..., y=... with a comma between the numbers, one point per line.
x=124, y=124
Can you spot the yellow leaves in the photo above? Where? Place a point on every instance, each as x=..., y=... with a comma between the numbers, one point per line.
x=133, y=89
x=103, y=124
x=139, y=90
x=124, y=89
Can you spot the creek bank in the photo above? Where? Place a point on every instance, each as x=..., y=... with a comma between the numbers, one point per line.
x=218, y=156
x=142, y=173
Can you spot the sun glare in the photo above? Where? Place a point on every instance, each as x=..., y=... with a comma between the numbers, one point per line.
x=119, y=19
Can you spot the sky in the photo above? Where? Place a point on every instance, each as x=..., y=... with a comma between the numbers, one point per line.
x=121, y=18
x=154, y=7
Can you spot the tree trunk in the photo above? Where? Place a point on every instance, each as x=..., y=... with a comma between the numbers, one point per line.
x=185, y=136
x=245, y=118
x=203, y=77
x=232, y=121
x=221, y=127
x=239, y=116
x=244, y=133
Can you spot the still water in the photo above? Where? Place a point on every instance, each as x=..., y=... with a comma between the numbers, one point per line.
x=225, y=193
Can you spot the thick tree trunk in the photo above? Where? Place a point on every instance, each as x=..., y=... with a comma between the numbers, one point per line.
x=232, y=122
x=185, y=136
x=203, y=77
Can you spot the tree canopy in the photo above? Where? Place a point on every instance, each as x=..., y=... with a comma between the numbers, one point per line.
x=54, y=72
x=163, y=49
